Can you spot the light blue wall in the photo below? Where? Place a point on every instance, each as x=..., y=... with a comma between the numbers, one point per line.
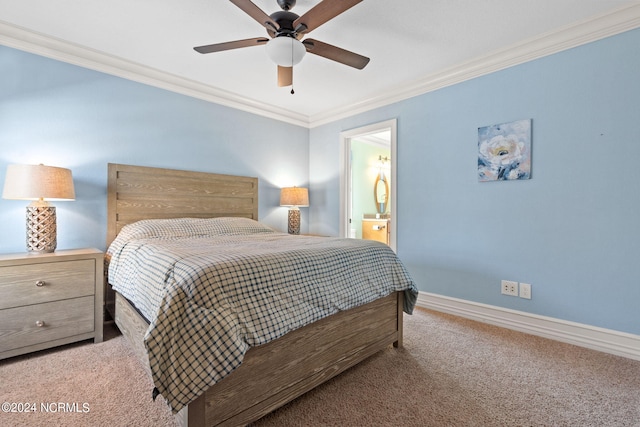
x=572, y=231
x=63, y=115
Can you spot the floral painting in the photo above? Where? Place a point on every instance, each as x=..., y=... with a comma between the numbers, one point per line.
x=504, y=151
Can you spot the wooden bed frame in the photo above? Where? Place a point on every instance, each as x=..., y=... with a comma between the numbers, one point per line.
x=272, y=374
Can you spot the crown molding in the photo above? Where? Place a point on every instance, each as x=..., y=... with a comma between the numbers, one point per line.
x=602, y=26
x=599, y=27
x=40, y=44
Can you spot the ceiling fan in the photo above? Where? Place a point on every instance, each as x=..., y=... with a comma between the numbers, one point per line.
x=286, y=30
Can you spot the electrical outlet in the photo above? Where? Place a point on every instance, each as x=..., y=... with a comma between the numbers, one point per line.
x=509, y=287
x=525, y=290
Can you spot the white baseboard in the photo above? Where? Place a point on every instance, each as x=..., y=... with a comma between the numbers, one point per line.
x=605, y=340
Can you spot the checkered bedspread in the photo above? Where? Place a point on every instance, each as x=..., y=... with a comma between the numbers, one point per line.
x=213, y=288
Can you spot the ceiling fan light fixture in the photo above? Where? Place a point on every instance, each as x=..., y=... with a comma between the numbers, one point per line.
x=286, y=51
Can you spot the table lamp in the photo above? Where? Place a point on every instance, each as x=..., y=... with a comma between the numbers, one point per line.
x=39, y=183
x=294, y=197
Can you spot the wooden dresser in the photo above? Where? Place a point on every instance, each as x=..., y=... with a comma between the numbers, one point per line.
x=376, y=229
x=48, y=300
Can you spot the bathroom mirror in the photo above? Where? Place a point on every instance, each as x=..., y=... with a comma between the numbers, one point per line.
x=381, y=193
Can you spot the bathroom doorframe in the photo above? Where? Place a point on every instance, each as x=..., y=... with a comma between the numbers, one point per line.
x=345, y=174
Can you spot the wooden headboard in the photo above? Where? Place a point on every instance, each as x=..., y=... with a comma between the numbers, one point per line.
x=137, y=192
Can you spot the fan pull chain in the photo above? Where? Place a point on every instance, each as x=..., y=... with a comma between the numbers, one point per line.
x=292, y=91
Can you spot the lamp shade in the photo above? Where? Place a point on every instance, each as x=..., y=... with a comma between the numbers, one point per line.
x=294, y=196
x=35, y=182
x=285, y=51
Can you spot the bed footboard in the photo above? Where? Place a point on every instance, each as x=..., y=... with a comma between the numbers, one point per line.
x=276, y=373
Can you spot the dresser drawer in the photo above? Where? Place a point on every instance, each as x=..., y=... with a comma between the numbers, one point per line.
x=39, y=323
x=46, y=281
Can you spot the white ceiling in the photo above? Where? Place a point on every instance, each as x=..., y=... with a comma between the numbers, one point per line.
x=413, y=45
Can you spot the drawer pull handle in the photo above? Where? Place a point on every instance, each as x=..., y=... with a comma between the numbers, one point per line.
x=39, y=323
x=378, y=227
x=40, y=283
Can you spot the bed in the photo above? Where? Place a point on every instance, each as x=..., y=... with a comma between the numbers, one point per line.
x=270, y=374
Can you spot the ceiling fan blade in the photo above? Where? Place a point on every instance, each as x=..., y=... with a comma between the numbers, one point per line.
x=285, y=76
x=321, y=13
x=335, y=53
x=256, y=13
x=219, y=47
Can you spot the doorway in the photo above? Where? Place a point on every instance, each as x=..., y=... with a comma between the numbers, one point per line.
x=368, y=158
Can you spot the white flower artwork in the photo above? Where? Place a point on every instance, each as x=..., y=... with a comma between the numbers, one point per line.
x=504, y=151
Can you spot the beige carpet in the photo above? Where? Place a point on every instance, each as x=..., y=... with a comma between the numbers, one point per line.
x=452, y=372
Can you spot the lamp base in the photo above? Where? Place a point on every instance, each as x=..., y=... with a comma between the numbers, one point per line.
x=294, y=221
x=41, y=229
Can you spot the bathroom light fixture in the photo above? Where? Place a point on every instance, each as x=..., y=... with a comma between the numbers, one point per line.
x=294, y=197
x=39, y=183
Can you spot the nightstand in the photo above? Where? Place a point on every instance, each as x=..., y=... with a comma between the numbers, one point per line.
x=50, y=299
